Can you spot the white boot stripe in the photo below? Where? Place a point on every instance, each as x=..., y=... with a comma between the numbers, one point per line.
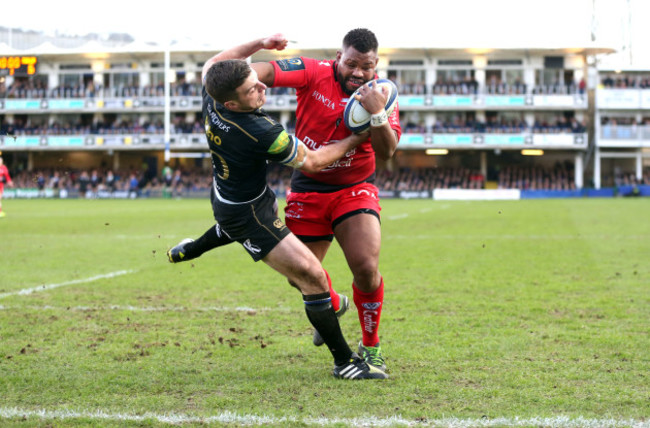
x=347, y=369
x=353, y=374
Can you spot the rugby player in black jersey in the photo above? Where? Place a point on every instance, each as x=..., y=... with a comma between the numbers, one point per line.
x=242, y=138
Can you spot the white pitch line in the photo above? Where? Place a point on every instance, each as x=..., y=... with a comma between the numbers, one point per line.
x=398, y=216
x=147, y=308
x=238, y=419
x=62, y=284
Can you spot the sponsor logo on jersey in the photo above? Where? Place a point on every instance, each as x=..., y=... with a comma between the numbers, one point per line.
x=291, y=64
x=324, y=100
x=344, y=162
x=341, y=163
x=310, y=143
x=278, y=224
x=216, y=121
x=280, y=143
x=254, y=249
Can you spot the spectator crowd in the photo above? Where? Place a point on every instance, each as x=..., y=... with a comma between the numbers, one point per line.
x=98, y=127
x=498, y=125
x=182, y=182
x=38, y=89
x=94, y=182
x=560, y=177
x=620, y=81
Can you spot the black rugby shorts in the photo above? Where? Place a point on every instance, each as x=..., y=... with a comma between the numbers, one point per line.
x=255, y=225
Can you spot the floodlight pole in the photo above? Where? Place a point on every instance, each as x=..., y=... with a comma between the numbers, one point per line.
x=167, y=120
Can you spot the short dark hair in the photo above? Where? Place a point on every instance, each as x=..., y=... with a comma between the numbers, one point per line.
x=362, y=40
x=224, y=77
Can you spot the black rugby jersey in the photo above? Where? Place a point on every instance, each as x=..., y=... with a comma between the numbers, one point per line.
x=240, y=144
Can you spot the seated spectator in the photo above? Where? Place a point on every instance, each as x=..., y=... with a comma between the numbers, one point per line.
x=560, y=177
x=467, y=86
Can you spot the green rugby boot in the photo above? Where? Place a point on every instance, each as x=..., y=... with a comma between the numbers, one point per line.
x=372, y=356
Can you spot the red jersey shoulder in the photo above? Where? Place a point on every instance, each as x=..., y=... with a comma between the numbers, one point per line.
x=291, y=64
x=303, y=64
x=322, y=65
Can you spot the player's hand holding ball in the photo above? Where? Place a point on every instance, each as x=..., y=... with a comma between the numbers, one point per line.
x=370, y=105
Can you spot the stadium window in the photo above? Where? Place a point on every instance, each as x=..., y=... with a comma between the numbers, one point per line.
x=455, y=62
x=157, y=78
x=120, y=65
x=75, y=67
x=548, y=76
x=409, y=81
x=125, y=79
x=514, y=76
x=506, y=62
x=162, y=65
x=553, y=62
x=394, y=62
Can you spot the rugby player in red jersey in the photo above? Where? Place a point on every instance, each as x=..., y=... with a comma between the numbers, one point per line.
x=340, y=201
x=4, y=178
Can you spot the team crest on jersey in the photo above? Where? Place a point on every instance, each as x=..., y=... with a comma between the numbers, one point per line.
x=291, y=64
x=280, y=143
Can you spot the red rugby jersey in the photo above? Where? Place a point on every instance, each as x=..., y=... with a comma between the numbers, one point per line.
x=319, y=118
x=4, y=176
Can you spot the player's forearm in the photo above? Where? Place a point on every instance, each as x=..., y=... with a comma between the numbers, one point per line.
x=384, y=141
x=236, y=52
x=276, y=41
x=326, y=155
x=239, y=52
x=318, y=160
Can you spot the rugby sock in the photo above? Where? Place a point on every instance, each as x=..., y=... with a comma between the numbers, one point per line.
x=212, y=238
x=321, y=315
x=336, y=299
x=369, y=309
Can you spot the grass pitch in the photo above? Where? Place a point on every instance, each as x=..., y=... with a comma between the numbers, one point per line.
x=496, y=313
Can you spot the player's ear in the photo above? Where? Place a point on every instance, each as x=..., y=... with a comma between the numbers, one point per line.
x=231, y=105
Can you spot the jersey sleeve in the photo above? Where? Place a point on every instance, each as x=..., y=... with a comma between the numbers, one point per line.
x=291, y=73
x=280, y=146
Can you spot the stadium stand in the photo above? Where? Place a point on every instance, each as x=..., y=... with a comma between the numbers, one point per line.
x=73, y=118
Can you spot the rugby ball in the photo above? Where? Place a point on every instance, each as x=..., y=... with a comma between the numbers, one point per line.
x=356, y=118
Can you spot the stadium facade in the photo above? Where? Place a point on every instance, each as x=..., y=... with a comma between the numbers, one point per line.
x=493, y=112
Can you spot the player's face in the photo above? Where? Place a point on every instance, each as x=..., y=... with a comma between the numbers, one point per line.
x=355, y=68
x=251, y=94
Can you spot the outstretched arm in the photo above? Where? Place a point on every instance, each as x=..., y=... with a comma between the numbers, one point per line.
x=313, y=161
x=264, y=70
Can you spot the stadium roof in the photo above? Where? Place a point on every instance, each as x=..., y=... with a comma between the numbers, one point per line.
x=138, y=50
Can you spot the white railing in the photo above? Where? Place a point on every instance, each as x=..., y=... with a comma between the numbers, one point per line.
x=639, y=133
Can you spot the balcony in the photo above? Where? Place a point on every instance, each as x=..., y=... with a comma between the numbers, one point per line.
x=628, y=136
